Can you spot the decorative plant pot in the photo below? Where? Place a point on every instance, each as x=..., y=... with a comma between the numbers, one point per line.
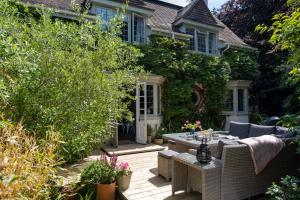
x=106, y=191
x=159, y=141
x=149, y=139
x=124, y=182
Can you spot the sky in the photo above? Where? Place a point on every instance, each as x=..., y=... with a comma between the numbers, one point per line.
x=211, y=3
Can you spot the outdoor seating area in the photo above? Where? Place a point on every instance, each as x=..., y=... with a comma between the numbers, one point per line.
x=230, y=174
x=149, y=100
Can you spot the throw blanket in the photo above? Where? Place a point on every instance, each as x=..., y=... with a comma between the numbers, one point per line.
x=263, y=149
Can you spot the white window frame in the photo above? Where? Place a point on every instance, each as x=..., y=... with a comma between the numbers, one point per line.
x=206, y=33
x=132, y=29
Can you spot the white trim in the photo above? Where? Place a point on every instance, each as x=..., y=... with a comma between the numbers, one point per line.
x=193, y=23
x=143, y=11
x=179, y=35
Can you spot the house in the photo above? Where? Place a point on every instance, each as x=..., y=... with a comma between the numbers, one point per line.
x=194, y=23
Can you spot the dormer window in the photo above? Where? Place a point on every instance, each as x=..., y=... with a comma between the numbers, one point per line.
x=201, y=37
x=202, y=41
x=191, y=31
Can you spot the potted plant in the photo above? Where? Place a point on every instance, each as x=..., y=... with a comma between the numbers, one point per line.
x=124, y=176
x=159, y=136
x=149, y=134
x=102, y=174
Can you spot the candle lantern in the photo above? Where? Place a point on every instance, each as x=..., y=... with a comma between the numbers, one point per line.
x=203, y=153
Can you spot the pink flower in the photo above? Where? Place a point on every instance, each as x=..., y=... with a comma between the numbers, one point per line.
x=124, y=166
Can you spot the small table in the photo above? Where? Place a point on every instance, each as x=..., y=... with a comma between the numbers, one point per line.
x=189, y=174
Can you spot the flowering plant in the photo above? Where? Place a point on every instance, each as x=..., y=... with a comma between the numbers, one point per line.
x=192, y=126
x=123, y=169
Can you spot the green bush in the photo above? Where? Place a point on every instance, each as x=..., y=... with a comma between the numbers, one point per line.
x=70, y=75
x=289, y=189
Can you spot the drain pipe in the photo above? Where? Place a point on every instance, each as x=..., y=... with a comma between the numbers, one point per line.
x=226, y=49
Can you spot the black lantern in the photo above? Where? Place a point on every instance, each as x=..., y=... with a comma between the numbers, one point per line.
x=203, y=152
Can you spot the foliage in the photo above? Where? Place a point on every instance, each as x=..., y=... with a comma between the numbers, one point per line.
x=70, y=75
x=286, y=36
x=192, y=126
x=98, y=172
x=255, y=118
x=243, y=64
x=170, y=58
x=242, y=17
x=289, y=189
x=27, y=168
x=160, y=131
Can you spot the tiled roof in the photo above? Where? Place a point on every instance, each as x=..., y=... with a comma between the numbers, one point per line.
x=165, y=14
x=230, y=38
x=58, y=4
x=197, y=11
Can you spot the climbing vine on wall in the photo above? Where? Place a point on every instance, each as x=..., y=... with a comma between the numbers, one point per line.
x=170, y=58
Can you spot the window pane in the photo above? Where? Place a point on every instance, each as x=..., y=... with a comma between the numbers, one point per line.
x=125, y=27
x=142, y=105
x=139, y=30
x=201, y=42
x=191, y=31
x=211, y=43
x=241, y=100
x=229, y=100
x=150, y=104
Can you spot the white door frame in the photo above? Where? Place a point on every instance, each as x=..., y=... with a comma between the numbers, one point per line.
x=141, y=124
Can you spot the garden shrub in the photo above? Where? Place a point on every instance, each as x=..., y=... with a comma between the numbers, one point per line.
x=170, y=58
x=289, y=189
x=27, y=168
x=70, y=75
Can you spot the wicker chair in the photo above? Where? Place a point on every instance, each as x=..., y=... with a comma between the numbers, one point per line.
x=239, y=180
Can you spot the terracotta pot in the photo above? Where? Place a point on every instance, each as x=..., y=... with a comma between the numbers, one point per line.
x=124, y=182
x=158, y=141
x=149, y=139
x=106, y=191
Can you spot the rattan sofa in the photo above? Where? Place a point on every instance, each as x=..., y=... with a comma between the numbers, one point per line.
x=238, y=178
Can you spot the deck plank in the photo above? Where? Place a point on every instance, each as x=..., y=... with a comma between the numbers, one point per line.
x=146, y=184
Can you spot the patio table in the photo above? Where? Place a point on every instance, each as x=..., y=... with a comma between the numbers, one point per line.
x=183, y=143
x=189, y=174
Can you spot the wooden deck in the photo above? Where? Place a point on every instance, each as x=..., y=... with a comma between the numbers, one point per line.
x=145, y=184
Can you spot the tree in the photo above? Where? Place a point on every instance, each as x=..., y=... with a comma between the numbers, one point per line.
x=285, y=36
x=242, y=16
x=68, y=75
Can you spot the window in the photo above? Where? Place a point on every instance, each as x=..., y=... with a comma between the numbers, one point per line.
x=150, y=102
x=211, y=43
x=229, y=100
x=191, y=31
x=138, y=29
x=125, y=28
x=133, y=28
x=241, y=100
x=201, y=42
x=158, y=100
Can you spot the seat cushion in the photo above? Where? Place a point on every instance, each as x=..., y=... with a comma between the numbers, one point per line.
x=238, y=129
x=281, y=130
x=167, y=153
x=221, y=145
x=259, y=130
